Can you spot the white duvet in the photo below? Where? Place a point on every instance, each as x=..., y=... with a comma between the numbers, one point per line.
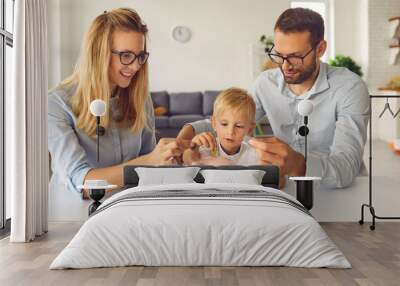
x=187, y=230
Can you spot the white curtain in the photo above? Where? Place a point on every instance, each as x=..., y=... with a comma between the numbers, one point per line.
x=26, y=143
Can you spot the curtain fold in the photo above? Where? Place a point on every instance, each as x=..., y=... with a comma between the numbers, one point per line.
x=27, y=136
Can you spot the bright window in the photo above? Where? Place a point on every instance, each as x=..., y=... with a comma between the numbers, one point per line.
x=6, y=46
x=9, y=13
x=324, y=8
x=8, y=79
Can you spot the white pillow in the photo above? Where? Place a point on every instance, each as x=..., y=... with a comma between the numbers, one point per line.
x=163, y=176
x=248, y=177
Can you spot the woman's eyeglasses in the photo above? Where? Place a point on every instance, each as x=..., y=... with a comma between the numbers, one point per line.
x=127, y=58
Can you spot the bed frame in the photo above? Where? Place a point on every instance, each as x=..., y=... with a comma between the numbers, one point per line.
x=270, y=179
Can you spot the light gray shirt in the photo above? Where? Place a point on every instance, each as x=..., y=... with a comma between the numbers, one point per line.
x=338, y=124
x=74, y=153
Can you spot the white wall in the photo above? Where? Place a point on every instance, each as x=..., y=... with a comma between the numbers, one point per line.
x=380, y=70
x=350, y=33
x=54, y=41
x=379, y=39
x=218, y=55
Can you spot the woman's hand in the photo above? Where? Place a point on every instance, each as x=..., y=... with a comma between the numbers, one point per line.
x=168, y=151
x=205, y=139
x=191, y=156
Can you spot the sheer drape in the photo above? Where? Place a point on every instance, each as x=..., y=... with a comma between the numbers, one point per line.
x=27, y=155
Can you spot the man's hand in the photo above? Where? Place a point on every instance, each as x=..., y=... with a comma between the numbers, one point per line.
x=272, y=151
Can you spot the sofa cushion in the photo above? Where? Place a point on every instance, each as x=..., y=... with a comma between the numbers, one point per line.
x=160, y=98
x=186, y=103
x=177, y=121
x=162, y=121
x=208, y=101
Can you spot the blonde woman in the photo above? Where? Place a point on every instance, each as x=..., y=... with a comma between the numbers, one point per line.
x=112, y=67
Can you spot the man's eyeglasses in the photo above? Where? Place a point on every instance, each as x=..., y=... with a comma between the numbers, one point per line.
x=127, y=58
x=294, y=61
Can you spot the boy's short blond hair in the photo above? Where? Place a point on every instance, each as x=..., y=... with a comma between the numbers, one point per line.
x=236, y=99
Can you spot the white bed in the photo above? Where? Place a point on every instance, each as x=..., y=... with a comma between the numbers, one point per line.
x=201, y=224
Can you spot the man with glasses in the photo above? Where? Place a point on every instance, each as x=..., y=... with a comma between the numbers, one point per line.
x=339, y=121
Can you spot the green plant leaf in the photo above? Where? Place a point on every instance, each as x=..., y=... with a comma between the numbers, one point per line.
x=347, y=62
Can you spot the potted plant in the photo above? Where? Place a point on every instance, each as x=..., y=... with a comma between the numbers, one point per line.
x=267, y=42
x=347, y=62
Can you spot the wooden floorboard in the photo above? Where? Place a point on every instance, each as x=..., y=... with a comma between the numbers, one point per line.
x=374, y=255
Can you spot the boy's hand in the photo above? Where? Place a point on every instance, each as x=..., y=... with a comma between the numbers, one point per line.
x=205, y=139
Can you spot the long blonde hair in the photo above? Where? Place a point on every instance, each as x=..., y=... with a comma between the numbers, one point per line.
x=91, y=74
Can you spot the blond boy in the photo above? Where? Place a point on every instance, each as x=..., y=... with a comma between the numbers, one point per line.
x=233, y=120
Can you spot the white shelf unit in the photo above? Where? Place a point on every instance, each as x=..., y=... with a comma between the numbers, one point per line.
x=394, y=32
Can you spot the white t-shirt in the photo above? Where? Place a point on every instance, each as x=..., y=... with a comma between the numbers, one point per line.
x=245, y=156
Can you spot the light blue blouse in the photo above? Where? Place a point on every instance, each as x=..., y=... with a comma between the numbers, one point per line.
x=73, y=152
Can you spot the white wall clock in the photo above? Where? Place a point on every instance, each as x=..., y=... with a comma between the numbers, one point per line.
x=181, y=34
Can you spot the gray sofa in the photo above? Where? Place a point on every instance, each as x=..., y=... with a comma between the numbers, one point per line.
x=186, y=107
x=182, y=108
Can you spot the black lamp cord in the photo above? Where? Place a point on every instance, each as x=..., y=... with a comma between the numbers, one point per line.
x=100, y=131
x=305, y=139
x=303, y=131
x=98, y=137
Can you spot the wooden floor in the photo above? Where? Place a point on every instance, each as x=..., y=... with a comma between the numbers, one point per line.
x=374, y=255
